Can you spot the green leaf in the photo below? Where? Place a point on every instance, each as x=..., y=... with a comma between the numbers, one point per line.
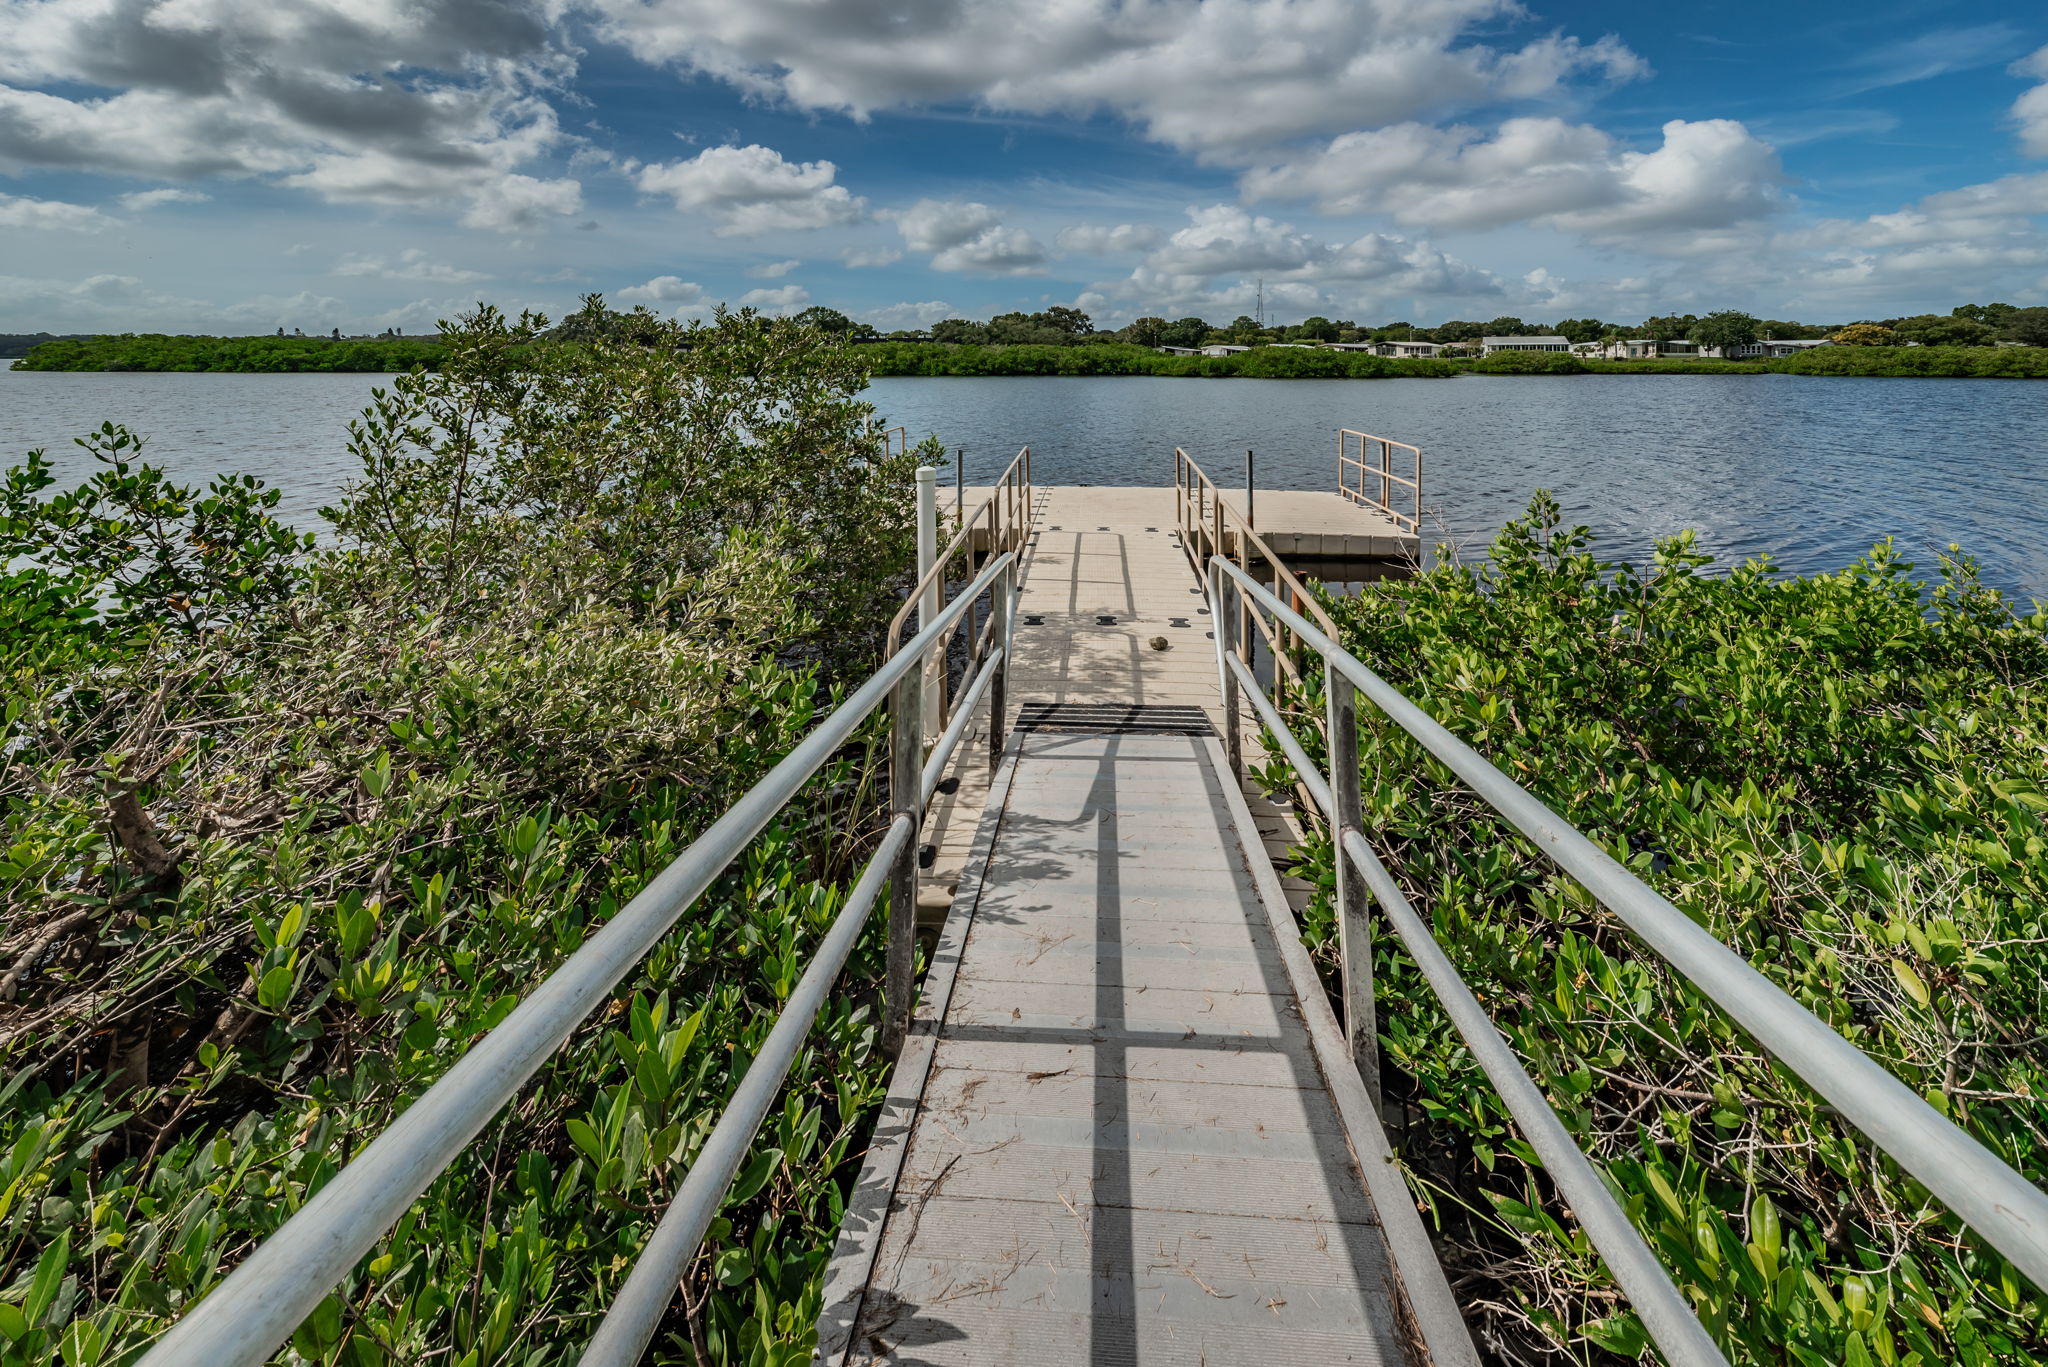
x=753, y=1177
x=13, y=1323
x=587, y=1140
x=733, y=1267
x=275, y=989
x=1910, y=981
x=50, y=1270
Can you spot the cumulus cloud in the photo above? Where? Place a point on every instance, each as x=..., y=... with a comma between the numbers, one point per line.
x=783, y=299
x=751, y=190
x=2030, y=111
x=968, y=236
x=1295, y=68
x=772, y=270
x=858, y=257
x=908, y=316
x=412, y=264
x=1215, y=262
x=664, y=289
x=1094, y=239
x=51, y=215
x=421, y=105
x=1707, y=174
x=150, y=199
x=113, y=302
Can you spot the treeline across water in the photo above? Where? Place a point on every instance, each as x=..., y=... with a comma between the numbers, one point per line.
x=285, y=355
x=280, y=355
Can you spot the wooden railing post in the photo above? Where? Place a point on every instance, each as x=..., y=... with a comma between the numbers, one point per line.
x=1233, y=744
x=999, y=641
x=906, y=778
x=1354, y=933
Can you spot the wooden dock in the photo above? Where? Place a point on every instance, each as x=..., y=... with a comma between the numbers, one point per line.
x=1125, y=1128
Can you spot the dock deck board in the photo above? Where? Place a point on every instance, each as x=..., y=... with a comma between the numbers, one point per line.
x=1109, y=1139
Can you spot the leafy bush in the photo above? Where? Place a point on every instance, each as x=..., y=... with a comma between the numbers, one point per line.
x=1667, y=365
x=266, y=880
x=1992, y=363
x=154, y=550
x=1844, y=778
x=1528, y=363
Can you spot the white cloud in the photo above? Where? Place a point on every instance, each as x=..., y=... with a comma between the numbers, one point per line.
x=150, y=199
x=2030, y=111
x=751, y=190
x=857, y=257
x=664, y=289
x=1294, y=67
x=1709, y=174
x=423, y=105
x=772, y=270
x=412, y=264
x=51, y=215
x=1216, y=262
x=932, y=225
x=967, y=236
x=784, y=299
x=1094, y=239
x=908, y=317
x=998, y=251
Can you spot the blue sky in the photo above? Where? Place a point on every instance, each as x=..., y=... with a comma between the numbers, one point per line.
x=239, y=165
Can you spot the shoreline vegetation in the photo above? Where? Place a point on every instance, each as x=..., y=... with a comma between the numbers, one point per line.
x=156, y=352
x=290, y=825
x=1800, y=764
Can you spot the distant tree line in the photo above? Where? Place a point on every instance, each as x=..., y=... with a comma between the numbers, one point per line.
x=157, y=351
x=1967, y=325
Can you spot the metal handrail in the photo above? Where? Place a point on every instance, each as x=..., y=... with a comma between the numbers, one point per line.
x=1008, y=512
x=243, y=1321
x=2007, y=1210
x=1384, y=472
x=1205, y=520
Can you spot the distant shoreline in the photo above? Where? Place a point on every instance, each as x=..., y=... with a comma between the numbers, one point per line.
x=150, y=353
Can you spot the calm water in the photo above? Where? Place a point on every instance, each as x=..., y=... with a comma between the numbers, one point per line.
x=1808, y=470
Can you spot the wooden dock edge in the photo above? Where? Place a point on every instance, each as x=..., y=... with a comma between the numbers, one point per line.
x=860, y=1229
x=1431, y=1320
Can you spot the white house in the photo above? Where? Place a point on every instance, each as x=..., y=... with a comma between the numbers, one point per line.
x=1223, y=349
x=1489, y=345
x=1388, y=348
x=1180, y=350
x=1789, y=347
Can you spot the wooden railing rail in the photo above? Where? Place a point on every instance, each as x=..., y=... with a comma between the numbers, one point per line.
x=1212, y=526
x=1376, y=478
x=1005, y=517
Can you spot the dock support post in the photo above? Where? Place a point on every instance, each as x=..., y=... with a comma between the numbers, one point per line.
x=928, y=604
x=1000, y=601
x=906, y=779
x=1233, y=745
x=1354, y=933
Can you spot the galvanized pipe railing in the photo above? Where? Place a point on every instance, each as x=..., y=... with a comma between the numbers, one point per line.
x=1210, y=525
x=1376, y=478
x=1999, y=1203
x=244, y=1320
x=1005, y=515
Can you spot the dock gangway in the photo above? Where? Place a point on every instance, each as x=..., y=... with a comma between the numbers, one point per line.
x=1128, y=1122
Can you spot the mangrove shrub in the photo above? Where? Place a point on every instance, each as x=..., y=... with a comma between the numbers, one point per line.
x=288, y=829
x=1844, y=777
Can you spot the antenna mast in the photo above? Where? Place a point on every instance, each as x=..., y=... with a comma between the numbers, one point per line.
x=1259, y=315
